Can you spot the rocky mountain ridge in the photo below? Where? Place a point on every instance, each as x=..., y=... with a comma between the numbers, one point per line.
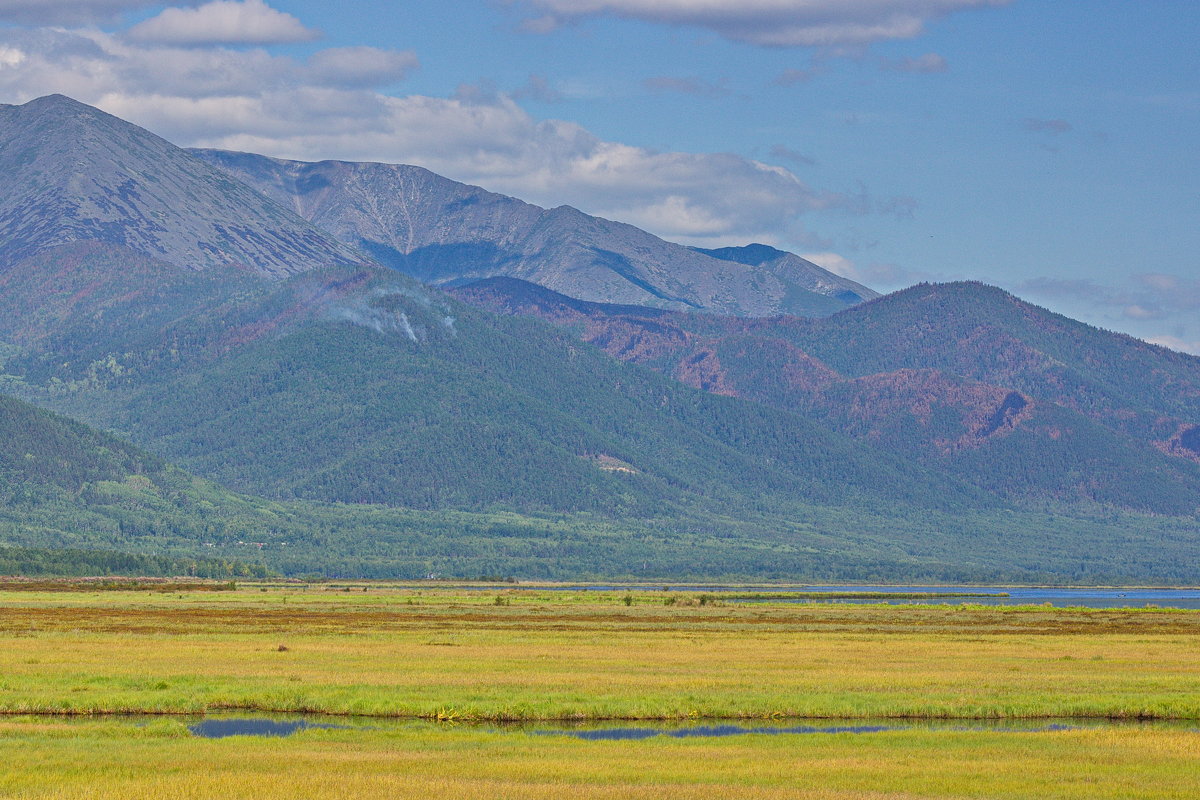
x=444, y=232
x=74, y=173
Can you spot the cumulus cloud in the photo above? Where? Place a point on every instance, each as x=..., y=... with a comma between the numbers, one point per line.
x=1074, y=288
x=772, y=23
x=360, y=67
x=1157, y=281
x=222, y=22
x=835, y=263
x=68, y=12
x=253, y=100
x=1145, y=296
x=1176, y=343
x=11, y=56
x=101, y=68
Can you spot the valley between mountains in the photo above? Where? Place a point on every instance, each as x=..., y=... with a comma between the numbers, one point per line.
x=241, y=364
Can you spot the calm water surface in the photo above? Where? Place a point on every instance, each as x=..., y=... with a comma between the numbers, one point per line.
x=219, y=727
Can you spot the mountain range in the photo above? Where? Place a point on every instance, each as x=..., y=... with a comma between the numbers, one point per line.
x=371, y=369
x=444, y=232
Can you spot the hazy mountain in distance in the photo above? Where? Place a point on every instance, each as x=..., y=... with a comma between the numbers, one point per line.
x=445, y=232
x=74, y=173
x=794, y=270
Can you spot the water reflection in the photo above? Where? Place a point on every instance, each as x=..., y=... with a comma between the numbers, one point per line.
x=253, y=726
x=613, y=730
x=704, y=731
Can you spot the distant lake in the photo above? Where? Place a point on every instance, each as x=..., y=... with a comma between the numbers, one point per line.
x=981, y=595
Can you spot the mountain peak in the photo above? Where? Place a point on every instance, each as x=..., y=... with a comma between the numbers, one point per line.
x=752, y=255
x=444, y=232
x=57, y=101
x=795, y=270
x=59, y=109
x=958, y=292
x=75, y=173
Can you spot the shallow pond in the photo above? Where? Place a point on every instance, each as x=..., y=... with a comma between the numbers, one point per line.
x=219, y=727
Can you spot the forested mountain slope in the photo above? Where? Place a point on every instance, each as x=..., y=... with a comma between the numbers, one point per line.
x=963, y=378
x=362, y=386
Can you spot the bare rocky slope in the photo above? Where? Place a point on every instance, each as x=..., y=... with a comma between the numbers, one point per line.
x=73, y=173
x=444, y=232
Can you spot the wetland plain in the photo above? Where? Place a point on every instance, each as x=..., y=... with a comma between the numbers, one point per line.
x=451, y=691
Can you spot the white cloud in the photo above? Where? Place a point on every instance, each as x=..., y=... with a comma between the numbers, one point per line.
x=778, y=23
x=360, y=67
x=1176, y=343
x=222, y=22
x=491, y=141
x=91, y=65
x=1159, y=282
x=67, y=12
x=1137, y=311
x=11, y=56
x=250, y=99
x=876, y=274
x=791, y=77
x=835, y=263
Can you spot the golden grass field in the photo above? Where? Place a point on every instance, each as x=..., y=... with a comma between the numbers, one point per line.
x=501, y=653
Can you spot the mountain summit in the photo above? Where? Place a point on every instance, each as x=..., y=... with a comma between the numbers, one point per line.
x=445, y=232
x=74, y=173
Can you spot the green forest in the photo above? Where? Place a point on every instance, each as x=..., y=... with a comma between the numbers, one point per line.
x=356, y=424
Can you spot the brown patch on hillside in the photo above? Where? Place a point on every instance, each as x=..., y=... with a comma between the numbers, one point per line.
x=702, y=370
x=1184, y=444
x=45, y=290
x=633, y=339
x=769, y=361
x=984, y=411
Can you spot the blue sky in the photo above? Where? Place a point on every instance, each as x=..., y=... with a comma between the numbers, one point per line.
x=1046, y=146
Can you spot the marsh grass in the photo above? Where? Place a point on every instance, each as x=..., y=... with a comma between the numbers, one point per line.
x=529, y=654
x=103, y=760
